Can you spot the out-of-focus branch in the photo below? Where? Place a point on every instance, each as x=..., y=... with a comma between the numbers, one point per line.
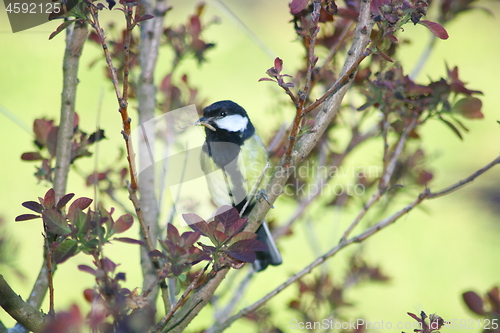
x=149, y=44
x=25, y=314
x=304, y=146
x=75, y=39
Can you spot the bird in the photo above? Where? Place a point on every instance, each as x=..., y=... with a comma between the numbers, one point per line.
x=233, y=159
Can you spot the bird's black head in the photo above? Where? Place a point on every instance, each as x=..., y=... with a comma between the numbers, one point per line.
x=229, y=122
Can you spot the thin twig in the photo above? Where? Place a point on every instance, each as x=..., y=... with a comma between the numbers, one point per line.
x=311, y=62
x=356, y=140
x=464, y=181
x=386, y=176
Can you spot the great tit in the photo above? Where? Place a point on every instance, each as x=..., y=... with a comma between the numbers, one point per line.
x=233, y=158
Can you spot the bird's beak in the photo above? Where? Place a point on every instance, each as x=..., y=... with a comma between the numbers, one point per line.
x=204, y=121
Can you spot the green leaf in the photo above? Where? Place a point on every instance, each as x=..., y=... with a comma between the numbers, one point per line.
x=67, y=249
x=55, y=222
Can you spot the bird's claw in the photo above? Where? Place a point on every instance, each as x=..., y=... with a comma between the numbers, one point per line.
x=261, y=195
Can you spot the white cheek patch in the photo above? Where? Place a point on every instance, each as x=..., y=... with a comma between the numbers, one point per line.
x=233, y=123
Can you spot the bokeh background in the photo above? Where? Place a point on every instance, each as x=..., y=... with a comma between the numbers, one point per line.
x=434, y=254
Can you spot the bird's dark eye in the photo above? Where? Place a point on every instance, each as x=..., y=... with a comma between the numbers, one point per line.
x=223, y=114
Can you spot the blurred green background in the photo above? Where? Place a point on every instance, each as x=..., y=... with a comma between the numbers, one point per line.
x=448, y=246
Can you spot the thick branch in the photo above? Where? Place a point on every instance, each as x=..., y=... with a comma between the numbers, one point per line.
x=427, y=194
x=25, y=314
x=303, y=146
x=149, y=44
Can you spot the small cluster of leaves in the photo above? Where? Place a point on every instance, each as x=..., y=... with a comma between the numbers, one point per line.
x=76, y=231
x=390, y=15
x=398, y=96
x=231, y=246
x=180, y=252
x=177, y=95
x=186, y=39
x=46, y=141
x=275, y=73
x=434, y=323
x=487, y=306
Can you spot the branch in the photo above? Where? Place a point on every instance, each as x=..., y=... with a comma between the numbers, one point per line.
x=122, y=99
x=386, y=176
x=304, y=146
x=357, y=239
x=465, y=181
x=75, y=39
x=25, y=314
x=311, y=63
x=149, y=44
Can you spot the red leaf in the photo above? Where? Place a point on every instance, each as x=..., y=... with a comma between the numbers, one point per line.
x=173, y=234
x=266, y=79
x=245, y=250
x=469, y=107
x=50, y=199
x=26, y=217
x=88, y=269
x=296, y=6
x=188, y=238
x=219, y=236
x=42, y=128
x=157, y=254
x=33, y=205
x=81, y=203
x=64, y=200
x=436, y=28
x=32, y=156
x=474, y=302
x=414, y=316
x=278, y=64
x=123, y=223
x=108, y=265
x=52, y=141
x=385, y=56
x=129, y=240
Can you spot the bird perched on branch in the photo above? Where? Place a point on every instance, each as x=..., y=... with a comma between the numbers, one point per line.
x=234, y=159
